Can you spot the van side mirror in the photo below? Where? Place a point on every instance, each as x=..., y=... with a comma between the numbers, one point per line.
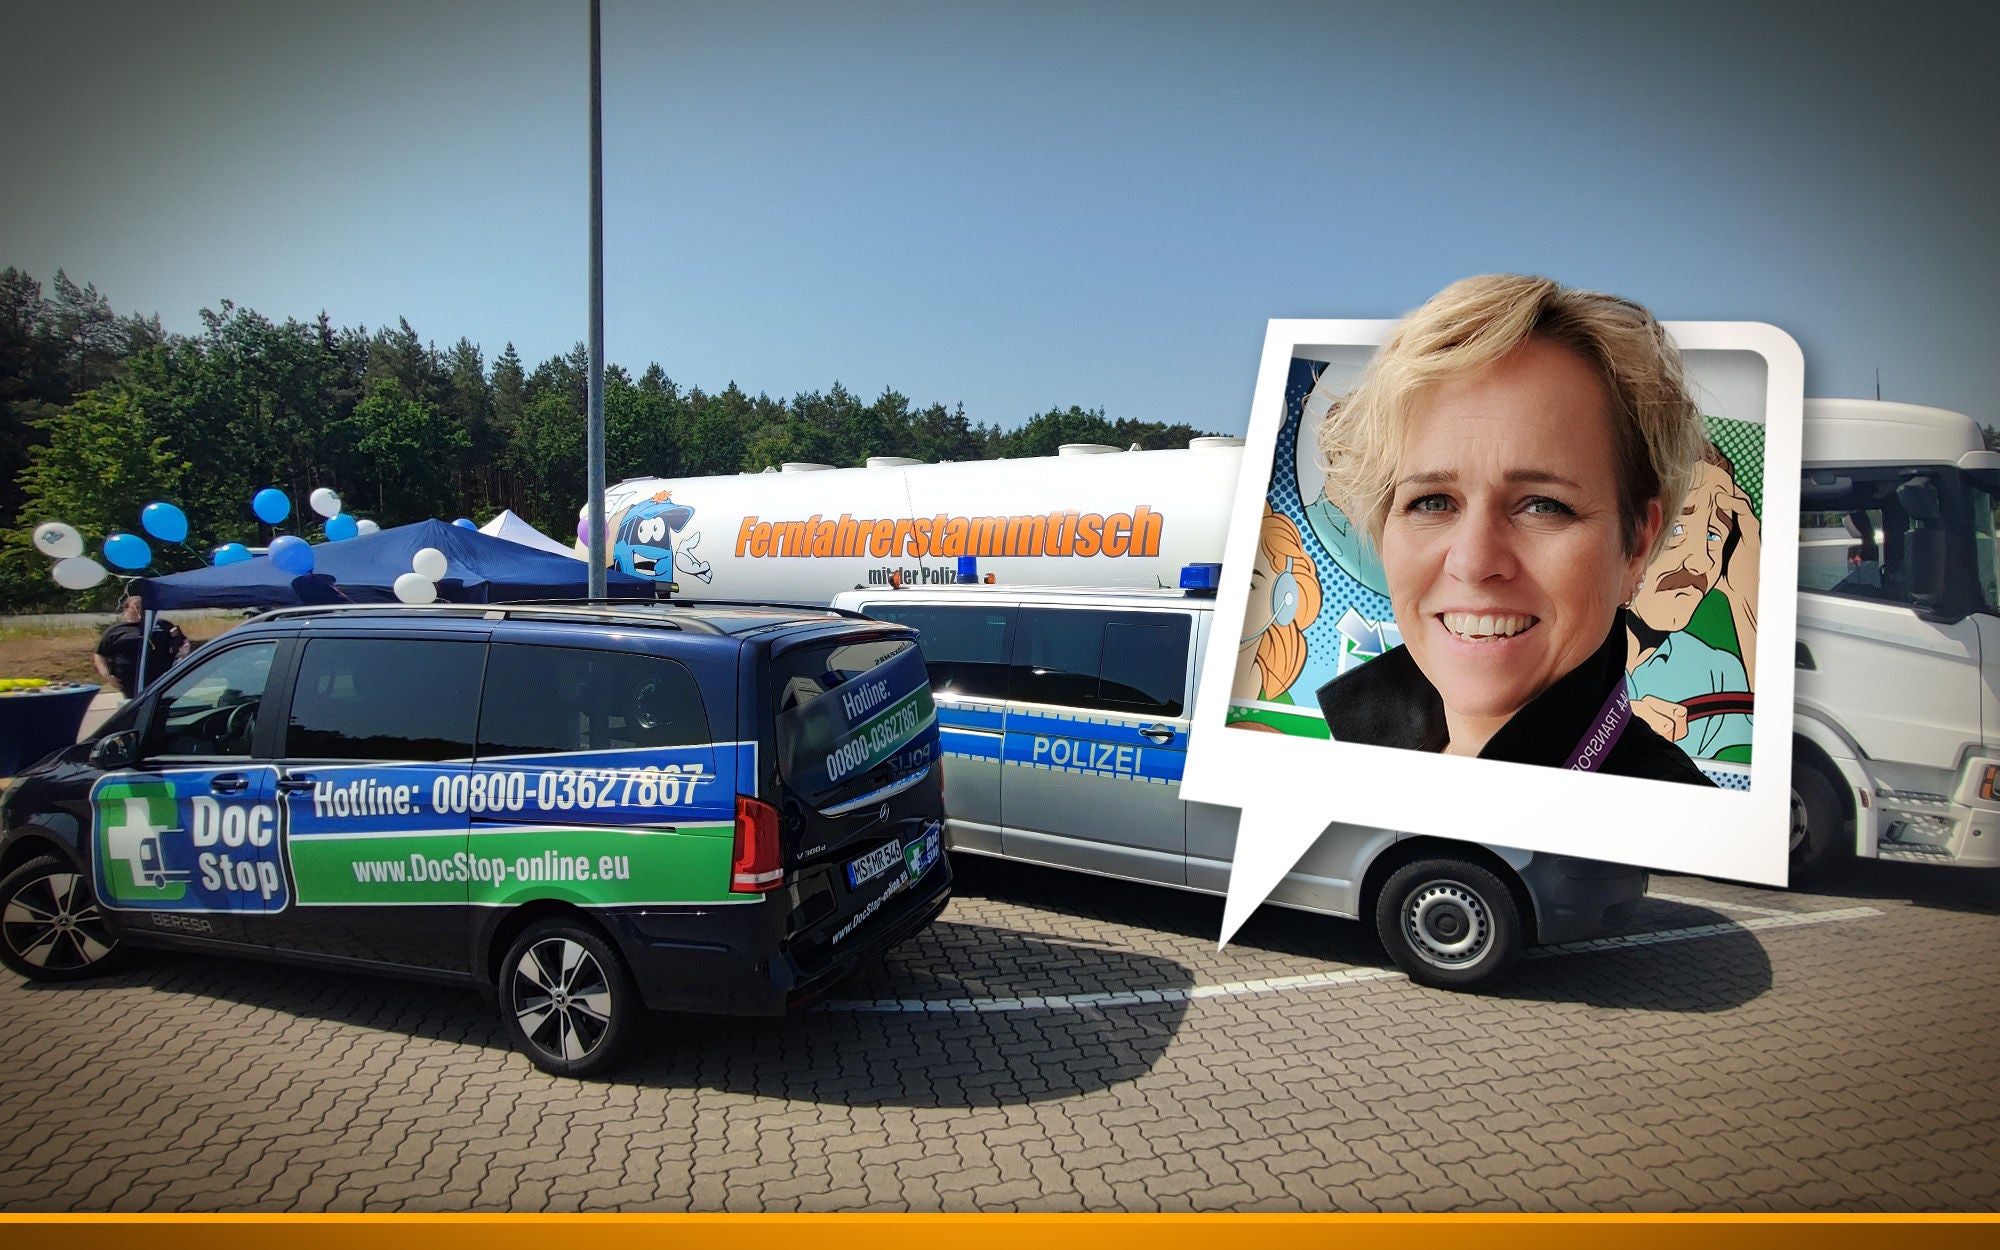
x=117, y=750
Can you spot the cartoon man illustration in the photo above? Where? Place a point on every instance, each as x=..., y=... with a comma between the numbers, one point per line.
x=644, y=546
x=1689, y=691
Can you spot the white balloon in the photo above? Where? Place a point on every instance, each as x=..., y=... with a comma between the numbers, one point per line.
x=364, y=527
x=429, y=562
x=58, y=539
x=78, y=573
x=415, y=588
x=324, y=502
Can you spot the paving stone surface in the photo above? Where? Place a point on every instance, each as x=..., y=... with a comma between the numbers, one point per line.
x=1745, y=1050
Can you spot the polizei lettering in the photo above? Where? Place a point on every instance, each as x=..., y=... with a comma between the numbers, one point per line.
x=1096, y=757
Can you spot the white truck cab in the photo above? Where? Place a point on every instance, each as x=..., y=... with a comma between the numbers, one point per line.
x=1897, y=721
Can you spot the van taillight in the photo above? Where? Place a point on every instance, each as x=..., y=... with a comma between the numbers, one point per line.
x=755, y=867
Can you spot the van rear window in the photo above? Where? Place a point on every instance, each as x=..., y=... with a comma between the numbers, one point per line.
x=852, y=717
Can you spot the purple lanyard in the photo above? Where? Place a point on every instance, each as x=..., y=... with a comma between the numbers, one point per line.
x=1604, y=731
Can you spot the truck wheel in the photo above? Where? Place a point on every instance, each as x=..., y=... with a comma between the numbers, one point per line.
x=1818, y=833
x=51, y=929
x=1448, y=923
x=566, y=998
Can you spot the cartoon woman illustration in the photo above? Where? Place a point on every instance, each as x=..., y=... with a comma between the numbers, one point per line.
x=1284, y=601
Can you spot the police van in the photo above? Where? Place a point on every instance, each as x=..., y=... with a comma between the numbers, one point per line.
x=586, y=810
x=1064, y=713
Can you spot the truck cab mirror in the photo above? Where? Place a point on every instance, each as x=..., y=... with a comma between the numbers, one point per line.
x=117, y=750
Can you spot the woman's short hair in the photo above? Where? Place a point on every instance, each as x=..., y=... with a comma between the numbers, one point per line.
x=1657, y=431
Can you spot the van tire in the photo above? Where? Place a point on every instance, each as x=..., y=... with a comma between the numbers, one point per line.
x=1448, y=923
x=1818, y=826
x=51, y=928
x=566, y=998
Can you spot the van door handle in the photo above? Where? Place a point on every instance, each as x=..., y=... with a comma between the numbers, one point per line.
x=294, y=785
x=229, y=783
x=1157, y=733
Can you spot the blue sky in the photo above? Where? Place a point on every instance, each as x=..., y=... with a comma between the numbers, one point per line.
x=1024, y=205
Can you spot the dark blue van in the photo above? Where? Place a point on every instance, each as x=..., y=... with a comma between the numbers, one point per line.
x=588, y=810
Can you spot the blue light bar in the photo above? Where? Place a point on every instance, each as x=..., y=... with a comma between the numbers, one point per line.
x=1201, y=579
x=968, y=569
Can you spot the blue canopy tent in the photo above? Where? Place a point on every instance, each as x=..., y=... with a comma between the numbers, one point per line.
x=478, y=569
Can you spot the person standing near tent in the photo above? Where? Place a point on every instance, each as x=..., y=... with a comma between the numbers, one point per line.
x=117, y=654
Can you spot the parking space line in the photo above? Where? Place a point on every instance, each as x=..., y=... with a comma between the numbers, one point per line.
x=1783, y=920
x=1323, y=980
x=1720, y=905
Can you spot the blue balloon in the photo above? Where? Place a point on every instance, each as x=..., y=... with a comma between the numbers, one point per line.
x=231, y=553
x=128, y=551
x=292, y=554
x=271, y=505
x=164, y=522
x=340, y=526
x=465, y=523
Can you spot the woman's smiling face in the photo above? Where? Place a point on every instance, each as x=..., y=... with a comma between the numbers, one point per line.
x=1503, y=545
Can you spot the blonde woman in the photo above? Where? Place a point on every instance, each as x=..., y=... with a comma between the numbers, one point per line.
x=1509, y=451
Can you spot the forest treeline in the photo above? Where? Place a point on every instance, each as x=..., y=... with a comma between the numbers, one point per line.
x=101, y=414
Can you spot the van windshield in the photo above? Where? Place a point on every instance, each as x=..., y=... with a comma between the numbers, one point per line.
x=853, y=718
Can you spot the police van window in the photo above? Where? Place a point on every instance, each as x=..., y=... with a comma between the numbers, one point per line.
x=965, y=647
x=386, y=699
x=211, y=711
x=1131, y=662
x=1145, y=665
x=548, y=700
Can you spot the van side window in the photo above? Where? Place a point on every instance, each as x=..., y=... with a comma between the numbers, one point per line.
x=1145, y=665
x=964, y=647
x=549, y=700
x=1129, y=662
x=386, y=699
x=211, y=710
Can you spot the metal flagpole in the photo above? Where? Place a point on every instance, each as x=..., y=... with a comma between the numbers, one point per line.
x=594, y=438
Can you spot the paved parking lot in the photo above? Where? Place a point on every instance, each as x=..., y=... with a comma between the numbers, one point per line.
x=1058, y=1043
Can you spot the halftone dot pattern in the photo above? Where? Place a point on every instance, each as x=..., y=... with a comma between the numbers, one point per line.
x=1338, y=591
x=1728, y=778
x=1743, y=443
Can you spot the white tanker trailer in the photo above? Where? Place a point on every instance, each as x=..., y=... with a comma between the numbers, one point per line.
x=1092, y=515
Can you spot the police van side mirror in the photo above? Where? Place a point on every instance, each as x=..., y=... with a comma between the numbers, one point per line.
x=115, y=750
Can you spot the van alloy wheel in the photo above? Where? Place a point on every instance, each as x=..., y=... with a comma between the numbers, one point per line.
x=51, y=928
x=566, y=998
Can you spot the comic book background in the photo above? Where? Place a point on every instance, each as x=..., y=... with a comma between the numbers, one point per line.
x=1354, y=622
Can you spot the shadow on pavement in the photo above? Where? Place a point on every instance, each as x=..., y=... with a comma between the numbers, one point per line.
x=897, y=1057
x=1675, y=964
x=1939, y=887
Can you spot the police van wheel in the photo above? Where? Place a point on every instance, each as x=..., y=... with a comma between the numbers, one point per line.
x=51, y=928
x=566, y=998
x=1448, y=923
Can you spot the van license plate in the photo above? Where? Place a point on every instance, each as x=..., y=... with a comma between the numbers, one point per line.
x=874, y=863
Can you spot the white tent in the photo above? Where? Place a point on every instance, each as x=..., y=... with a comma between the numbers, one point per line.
x=515, y=530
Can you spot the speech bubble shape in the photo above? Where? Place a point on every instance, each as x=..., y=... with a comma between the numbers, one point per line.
x=1291, y=786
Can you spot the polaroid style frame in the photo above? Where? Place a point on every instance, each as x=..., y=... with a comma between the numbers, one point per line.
x=1290, y=788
